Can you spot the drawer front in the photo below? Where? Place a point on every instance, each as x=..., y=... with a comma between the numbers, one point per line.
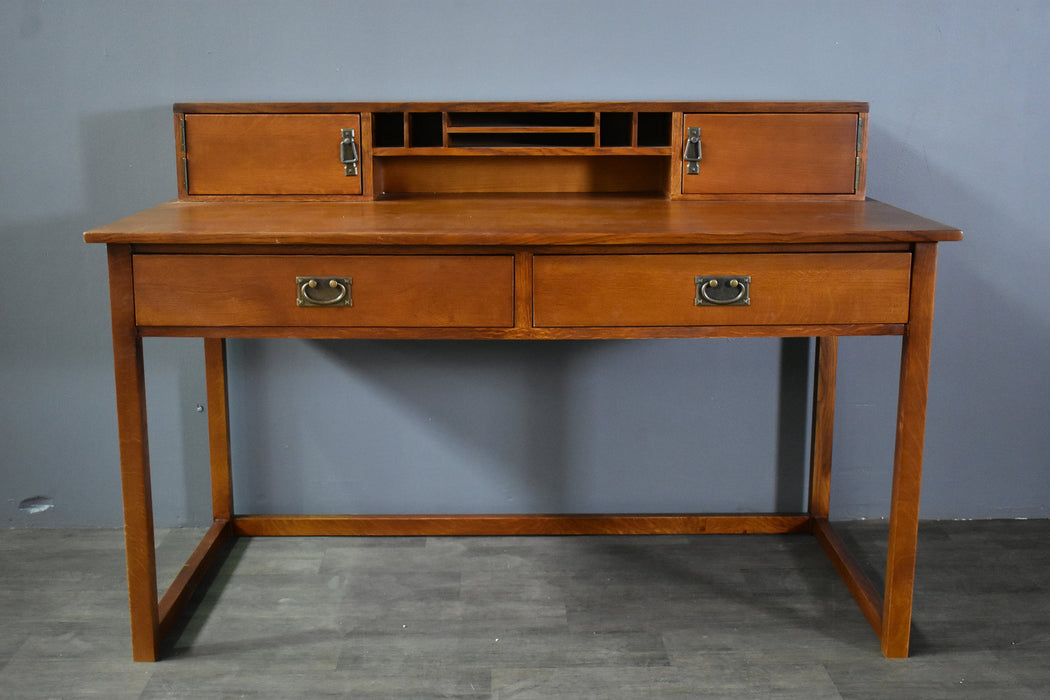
x=774, y=154
x=663, y=290
x=411, y=291
x=277, y=154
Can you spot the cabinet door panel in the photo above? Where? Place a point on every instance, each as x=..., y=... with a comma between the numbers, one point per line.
x=774, y=154
x=278, y=154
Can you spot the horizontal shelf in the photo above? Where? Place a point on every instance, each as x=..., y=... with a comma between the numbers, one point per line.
x=520, y=119
x=521, y=130
x=525, y=151
x=522, y=139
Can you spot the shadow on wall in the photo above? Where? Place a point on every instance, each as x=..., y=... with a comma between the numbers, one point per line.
x=129, y=165
x=994, y=444
x=129, y=162
x=520, y=426
x=986, y=437
x=987, y=429
x=56, y=374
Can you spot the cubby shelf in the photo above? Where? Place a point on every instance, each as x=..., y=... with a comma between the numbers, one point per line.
x=521, y=133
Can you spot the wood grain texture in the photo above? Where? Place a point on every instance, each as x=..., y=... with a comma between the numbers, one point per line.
x=629, y=155
x=674, y=187
x=823, y=436
x=752, y=154
x=522, y=333
x=366, y=153
x=282, y=150
x=907, y=461
x=742, y=106
x=521, y=221
x=550, y=170
x=134, y=458
x=300, y=249
x=218, y=428
x=246, y=154
x=191, y=575
x=534, y=524
x=862, y=589
x=387, y=290
x=659, y=290
x=523, y=292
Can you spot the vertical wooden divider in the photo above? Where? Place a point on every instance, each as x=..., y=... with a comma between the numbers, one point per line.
x=677, y=138
x=522, y=289
x=366, y=170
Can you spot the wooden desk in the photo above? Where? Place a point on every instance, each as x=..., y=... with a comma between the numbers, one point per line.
x=556, y=265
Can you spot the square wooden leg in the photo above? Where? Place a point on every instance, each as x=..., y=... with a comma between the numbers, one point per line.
x=823, y=427
x=907, y=467
x=134, y=459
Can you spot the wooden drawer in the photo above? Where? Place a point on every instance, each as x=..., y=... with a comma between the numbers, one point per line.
x=440, y=291
x=752, y=154
x=269, y=154
x=661, y=290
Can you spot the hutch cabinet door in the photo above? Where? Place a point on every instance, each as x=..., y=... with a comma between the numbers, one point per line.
x=272, y=154
x=753, y=154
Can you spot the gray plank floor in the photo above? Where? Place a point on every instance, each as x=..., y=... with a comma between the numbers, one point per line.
x=531, y=617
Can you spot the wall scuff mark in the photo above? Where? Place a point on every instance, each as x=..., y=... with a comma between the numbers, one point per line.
x=36, y=504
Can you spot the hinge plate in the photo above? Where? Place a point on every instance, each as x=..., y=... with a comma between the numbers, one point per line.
x=692, y=153
x=348, y=153
x=860, y=147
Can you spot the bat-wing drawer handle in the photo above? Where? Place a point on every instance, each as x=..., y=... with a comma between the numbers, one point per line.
x=731, y=290
x=324, y=291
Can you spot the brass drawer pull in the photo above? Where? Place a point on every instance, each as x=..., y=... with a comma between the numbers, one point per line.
x=708, y=290
x=324, y=291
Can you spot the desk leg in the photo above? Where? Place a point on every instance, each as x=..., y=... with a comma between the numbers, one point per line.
x=823, y=427
x=907, y=466
x=134, y=458
x=218, y=428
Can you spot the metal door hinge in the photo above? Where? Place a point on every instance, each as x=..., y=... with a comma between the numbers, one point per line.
x=692, y=153
x=184, y=160
x=860, y=133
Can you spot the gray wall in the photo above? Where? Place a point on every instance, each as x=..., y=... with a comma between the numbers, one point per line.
x=959, y=104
